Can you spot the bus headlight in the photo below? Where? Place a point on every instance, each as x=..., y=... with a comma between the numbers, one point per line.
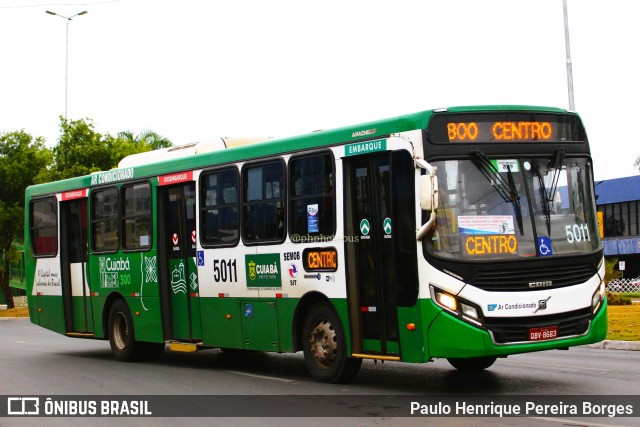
x=469, y=311
x=598, y=297
x=447, y=301
x=458, y=307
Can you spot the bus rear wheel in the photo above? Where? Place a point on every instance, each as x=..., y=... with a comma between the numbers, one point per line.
x=472, y=364
x=325, y=350
x=122, y=335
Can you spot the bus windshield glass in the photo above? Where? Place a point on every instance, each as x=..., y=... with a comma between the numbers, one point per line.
x=494, y=209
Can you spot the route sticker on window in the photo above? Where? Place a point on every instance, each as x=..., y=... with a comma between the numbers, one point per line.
x=488, y=234
x=485, y=224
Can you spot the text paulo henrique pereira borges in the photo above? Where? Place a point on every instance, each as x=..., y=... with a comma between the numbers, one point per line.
x=463, y=408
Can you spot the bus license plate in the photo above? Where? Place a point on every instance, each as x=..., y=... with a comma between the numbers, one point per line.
x=539, y=334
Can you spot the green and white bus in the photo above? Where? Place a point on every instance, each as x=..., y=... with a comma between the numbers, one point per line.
x=465, y=233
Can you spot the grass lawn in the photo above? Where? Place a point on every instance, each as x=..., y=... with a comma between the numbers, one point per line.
x=15, y=312
x=624, y=320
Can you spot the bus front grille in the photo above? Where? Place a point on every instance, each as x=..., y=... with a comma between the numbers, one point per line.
x=532, y=279
x=507, y=330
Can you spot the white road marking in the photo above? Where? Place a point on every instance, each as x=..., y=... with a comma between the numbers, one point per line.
x=264, y=377
x=577, y=422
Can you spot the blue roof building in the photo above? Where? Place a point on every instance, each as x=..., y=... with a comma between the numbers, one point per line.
x=618, y=203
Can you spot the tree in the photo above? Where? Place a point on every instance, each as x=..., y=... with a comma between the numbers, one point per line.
x=23, y=162
x=610, y=271
x=81, y=150
x=149, y=137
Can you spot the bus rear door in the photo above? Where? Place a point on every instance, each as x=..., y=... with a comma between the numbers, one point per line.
x=73, y=264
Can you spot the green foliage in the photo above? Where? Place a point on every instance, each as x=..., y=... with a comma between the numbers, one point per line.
x=23, y=162
x=149, y=137
x=81, y=150
x=616, y=298
x=610, y=270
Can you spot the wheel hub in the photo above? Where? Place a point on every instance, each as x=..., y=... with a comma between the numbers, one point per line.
x=120, y=331
x=323, y=343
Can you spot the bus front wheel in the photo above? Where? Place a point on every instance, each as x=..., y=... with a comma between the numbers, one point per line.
x=325, y=350
x=472, y=364
x=121, y=334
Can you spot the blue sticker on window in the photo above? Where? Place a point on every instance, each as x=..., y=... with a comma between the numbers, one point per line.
x=544, y=246
x=312, y=219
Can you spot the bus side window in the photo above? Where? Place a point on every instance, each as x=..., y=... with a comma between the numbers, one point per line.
x=312, y=201
x=43, y=220
x=136, y=218
x=219, y=211
x=264, y=193
x=104, y=220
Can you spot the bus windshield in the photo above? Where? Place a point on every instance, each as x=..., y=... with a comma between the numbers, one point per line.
x=518, y=207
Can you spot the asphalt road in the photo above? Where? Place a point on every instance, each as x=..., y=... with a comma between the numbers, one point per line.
x=36, y=361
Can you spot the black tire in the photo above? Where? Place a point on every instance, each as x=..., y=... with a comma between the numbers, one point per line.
x=472, y=364
x=122, y=336
x=324, y=346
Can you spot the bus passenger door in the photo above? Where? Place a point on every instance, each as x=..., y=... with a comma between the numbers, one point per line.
x=179, y=275
x=380, y=253
x=73, y=259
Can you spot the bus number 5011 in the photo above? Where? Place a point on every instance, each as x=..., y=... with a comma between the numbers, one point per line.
x=225, y=270
x=577, y=233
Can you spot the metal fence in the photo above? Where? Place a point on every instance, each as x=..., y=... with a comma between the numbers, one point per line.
x=624, y=285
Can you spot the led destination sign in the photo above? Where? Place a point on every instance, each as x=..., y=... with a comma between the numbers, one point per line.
x=320, y=259
x=507, y=127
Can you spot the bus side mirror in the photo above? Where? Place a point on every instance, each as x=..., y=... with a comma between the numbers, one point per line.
x=429, y=192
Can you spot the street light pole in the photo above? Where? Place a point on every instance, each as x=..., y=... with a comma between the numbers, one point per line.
x=66, y=65
x=568, y=50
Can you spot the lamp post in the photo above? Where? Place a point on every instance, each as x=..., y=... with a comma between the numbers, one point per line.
x=568, y=52
x=66, y=68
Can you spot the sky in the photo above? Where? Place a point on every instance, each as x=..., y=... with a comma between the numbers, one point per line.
x=195, y=70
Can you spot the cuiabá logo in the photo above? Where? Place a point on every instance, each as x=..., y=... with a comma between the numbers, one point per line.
x=252, y=270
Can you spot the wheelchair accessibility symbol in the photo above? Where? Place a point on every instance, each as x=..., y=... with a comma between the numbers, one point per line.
x=544, y=246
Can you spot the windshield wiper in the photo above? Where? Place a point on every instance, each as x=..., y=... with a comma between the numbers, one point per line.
x=506, y=189
x=548, y=196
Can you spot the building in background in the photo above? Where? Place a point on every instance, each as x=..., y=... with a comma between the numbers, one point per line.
x=618, y=203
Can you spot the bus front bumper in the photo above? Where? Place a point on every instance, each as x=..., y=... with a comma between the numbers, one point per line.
x=450, y=337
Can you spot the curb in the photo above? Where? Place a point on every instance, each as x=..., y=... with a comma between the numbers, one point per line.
x=616, y=345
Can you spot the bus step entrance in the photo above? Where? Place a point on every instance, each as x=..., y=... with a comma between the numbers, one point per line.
x=376, y=357
x=185, y=347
